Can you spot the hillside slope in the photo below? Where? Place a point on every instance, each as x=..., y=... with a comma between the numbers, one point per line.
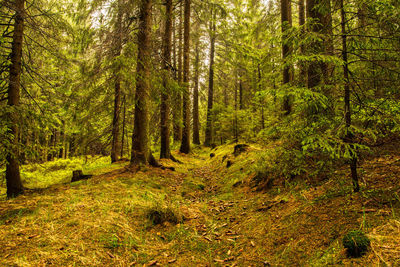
x=205, y=213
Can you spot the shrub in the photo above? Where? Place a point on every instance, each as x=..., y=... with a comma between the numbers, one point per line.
x=356, y=243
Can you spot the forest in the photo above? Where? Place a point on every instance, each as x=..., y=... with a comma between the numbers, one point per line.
x=199, y=132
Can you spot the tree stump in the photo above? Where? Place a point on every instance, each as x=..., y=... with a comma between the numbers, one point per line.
x=239, y=148
x=78, y=175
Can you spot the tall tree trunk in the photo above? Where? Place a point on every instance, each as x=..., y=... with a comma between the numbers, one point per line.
x=314, y=14
x=13, y=179
x=174, y=43
x=178, y=95
x=123, y=127
x=140, y=138
x=62, y=148
x=185, y=145
x=347, y=107
x=262, y=102
x=319, y=12
x=165, y=140
x=240, y=92
x=209, y=124
x=302, y=21
x=235, y=122
x=116, y=146
x=286, y=21
x=196, y=121
x=328, y=68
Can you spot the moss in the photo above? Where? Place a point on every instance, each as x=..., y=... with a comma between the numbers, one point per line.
x=356, y=243
x=159, y=215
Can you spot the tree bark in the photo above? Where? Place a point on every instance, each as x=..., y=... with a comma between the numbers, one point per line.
x=313, y=13
x=319, y=12
x=196, y=121
x=286, y=21
x=177, y=111
x=240, y=92
x=235, y=122
x=140, y=138
x=123, y=127
x=13, y=178
x=347, y=107
x=262, y=102
x=185, y=145
x=302, y=21
x=165, y=109
x=209, y=123
x=327, y=30
x=116, y=146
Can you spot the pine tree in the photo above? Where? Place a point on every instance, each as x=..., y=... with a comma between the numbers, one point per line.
x=13, y=179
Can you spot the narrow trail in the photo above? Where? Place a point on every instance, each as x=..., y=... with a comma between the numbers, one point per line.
x=223, y=219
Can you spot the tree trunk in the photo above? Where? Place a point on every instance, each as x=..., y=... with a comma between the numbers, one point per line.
x=140, y=138
x=123, y=127
x=286, y=20
x=347, y=107
x=240, y=92
x=262, y=102
x=196, y=121
x=174, y=49
x=302, y=21
x=185, y=145
x=177, y=111
x=116, y=146
x=13, y=179
x=165, y=140
x=327, y=67
x=313, y=13
x=209, y=124
x=235, y=122
x=319, y=11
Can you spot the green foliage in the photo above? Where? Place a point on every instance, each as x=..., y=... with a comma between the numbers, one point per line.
x=356, y=243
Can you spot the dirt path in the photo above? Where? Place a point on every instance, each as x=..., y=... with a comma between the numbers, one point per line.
x=223, y=221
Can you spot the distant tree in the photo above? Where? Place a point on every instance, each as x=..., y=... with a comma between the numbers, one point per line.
x=115, y=144
x=286, y=21
x=347, y=108
x=166, y=65
x=302, y=21
x=185, y=144
x=196, y=120
x=210, y=100
x=319, y=16
x=177, y=95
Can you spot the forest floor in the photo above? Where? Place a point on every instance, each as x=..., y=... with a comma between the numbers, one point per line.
x=202, y=214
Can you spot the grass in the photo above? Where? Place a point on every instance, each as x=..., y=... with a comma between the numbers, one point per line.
x=205, y=219
x=59, y=171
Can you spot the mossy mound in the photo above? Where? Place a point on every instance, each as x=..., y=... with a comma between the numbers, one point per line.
x=159, y=215
x=356, y=243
